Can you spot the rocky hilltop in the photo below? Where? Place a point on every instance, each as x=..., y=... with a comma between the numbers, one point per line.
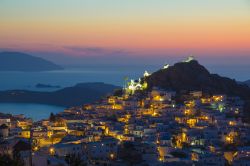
x=193, y=76
x=190, y=75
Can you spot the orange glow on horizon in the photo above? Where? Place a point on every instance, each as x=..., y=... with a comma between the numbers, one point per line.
x=139, y=27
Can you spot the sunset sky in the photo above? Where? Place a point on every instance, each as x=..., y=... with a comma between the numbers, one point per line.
x=131, y=28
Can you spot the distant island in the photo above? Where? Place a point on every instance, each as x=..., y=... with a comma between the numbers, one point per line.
x=71, y=96
x=17, y=61
x=39, y=85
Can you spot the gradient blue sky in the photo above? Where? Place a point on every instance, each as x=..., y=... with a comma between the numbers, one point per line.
x=217, y=32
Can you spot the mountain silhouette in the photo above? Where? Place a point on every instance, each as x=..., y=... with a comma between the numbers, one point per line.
x=16, y=61
x=71, y=96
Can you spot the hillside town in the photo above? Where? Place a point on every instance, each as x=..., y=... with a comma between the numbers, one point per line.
x=134, y=126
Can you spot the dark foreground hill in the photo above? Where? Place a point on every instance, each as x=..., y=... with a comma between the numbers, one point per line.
x=193, y=76
x=247, y=83
x=72, y=96
x=16, y=61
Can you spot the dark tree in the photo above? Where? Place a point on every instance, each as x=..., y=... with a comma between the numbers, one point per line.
x=7, y=160
x=74, y=160
x=52, y=117
x=129, y=154
x=118, y=92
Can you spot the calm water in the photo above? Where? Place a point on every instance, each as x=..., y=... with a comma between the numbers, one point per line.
x=63, y=78
x=34, y=111
x=71, y=76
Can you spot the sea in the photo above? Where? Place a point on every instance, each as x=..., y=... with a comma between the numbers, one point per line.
x=63, y=78
x=30, y=110
x=71, y=76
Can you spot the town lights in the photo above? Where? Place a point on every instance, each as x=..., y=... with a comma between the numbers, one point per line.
x=232, y=123
x=187, y=112
x=52, y=151
x=112, y=156
x=229, y=139
x=146, y=74
x=166, y=66
x=154, y=114
x=158, y=98
x=35, y=148
x=50, y=134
